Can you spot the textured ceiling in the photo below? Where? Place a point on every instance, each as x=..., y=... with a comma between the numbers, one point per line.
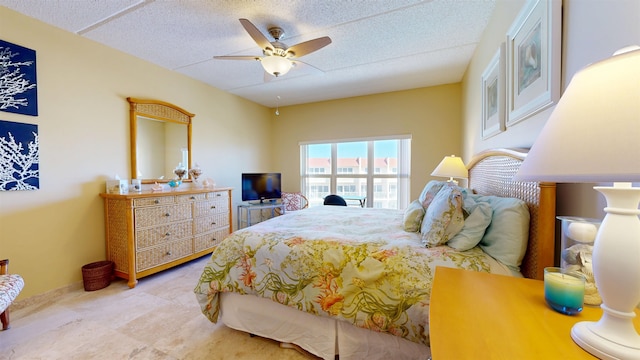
x=378, y=46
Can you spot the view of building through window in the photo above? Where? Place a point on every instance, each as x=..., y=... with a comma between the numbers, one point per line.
x=344, y=168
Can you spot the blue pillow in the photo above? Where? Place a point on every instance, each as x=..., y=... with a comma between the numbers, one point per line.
x=507, y=236
x=430, y=191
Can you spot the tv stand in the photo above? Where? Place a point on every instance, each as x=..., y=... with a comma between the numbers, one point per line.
x=245, y=212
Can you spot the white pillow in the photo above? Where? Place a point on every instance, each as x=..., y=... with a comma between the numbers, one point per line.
x=474, y=227
x=413, y=215
x=443, y=218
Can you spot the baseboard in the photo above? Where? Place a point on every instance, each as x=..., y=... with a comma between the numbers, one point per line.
x=46, y=297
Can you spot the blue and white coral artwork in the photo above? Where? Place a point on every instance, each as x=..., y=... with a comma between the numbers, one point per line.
x=19, y=156
x=18, y=93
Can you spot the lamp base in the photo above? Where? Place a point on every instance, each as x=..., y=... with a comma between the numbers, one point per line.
x=585, y=334
x=617, y=273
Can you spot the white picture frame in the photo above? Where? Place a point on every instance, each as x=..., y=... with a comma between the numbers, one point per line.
x=493, y=95
x=533, y=59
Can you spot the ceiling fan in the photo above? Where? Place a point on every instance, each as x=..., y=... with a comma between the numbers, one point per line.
x=278, y=58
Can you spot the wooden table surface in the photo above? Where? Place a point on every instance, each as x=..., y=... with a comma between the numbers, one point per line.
x=476, y=315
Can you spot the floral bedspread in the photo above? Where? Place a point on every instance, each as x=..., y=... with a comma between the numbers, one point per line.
x=352, y=264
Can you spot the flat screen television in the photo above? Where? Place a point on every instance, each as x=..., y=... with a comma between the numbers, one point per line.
x=261, y=186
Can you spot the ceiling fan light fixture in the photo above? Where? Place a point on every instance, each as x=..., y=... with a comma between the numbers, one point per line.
x=276, y=65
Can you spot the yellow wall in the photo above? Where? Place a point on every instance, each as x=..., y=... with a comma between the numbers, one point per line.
x=83, y=126
x=430, y=115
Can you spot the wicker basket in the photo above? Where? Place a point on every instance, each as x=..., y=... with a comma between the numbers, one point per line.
x=97, y=275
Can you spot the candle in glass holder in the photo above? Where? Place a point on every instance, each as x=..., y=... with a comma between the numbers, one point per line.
x=564, y=290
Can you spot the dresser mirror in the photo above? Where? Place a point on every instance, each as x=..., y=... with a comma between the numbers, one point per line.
x=160, y=139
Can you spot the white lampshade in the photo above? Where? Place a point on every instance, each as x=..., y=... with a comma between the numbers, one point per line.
x=593, y=135
x=276, y=65
x=451, y=167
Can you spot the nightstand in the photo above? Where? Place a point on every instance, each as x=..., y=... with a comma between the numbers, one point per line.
x=476, y=315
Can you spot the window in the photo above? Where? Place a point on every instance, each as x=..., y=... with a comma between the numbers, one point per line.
x=344, y=168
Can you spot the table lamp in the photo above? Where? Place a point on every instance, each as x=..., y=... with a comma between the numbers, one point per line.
x=593, y=136
x=451, y=167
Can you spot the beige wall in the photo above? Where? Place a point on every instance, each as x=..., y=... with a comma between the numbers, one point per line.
x=520, y=135
x=430, y=115
x=618, y=25
x=83, y=126
x=592, y=31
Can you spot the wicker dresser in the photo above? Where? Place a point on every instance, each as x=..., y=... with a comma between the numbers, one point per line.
x=150, y=232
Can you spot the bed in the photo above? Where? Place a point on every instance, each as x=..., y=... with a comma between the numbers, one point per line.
x=353, y=283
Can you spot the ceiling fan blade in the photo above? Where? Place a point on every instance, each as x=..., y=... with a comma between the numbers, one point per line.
x=257, y=36
x=268, y=77
x=305, y=67
x=308, y=47
x=238, y=57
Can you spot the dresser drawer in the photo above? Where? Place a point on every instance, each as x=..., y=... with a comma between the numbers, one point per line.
x=163, y=233
x=214, y=206
x=156, y=215
x=209, y=240
x=190, y=198
x=163, y=254
x=208, y=223
x=218, y=195
x=152, y=201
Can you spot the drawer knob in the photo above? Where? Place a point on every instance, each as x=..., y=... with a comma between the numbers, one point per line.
x=157, y=201
x=218, y=194
x=193, y=198
x=168, y=234
x=213, y=223
x=213, y=206
x=213, y=239
x=167, y=214
x=168, y=253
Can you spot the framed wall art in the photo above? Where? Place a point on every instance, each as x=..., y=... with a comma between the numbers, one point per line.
x=18, y=92
x=533, y=59
x=493, y=95
x=19, y=156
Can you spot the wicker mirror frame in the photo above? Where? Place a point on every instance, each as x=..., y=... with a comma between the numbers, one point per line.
x=160, y=111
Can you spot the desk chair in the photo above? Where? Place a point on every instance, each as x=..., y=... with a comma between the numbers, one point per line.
x=335, y=200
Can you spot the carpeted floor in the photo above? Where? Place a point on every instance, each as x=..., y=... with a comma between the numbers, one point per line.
x=158, y=319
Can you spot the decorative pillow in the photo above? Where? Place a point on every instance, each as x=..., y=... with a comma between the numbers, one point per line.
x=430, y=191
x=443, y=219
x=506, y=237
x=474, y=227
x=413, y=216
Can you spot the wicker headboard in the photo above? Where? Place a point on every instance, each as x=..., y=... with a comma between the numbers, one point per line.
x=491, y=173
